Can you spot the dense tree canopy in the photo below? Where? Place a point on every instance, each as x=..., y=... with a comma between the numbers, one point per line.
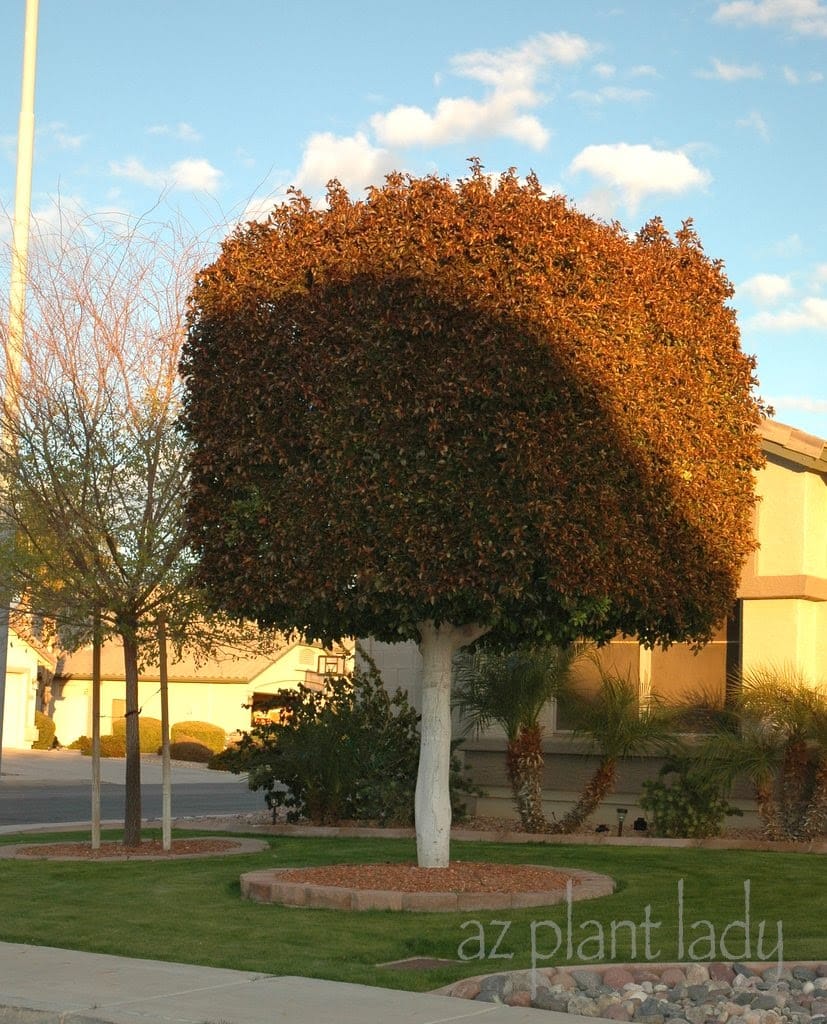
x=468, y=403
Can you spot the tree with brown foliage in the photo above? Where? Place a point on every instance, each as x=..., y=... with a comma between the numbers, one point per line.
x=458, y=409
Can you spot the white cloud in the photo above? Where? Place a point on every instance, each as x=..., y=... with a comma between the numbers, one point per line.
x=756, y=121
x=766, y=289
x=183, y=175
x=604, y=70
x=352, y=159
x=810, y=313
x=644, y=71
x=730, y=72
x=804, y=17
x=456, y=120
x=182, y=131
x=49, y=220
x=612, y=94
x=509, y=69
x=512, y=76
x=789, y=246
x=56, y=131
x=793, y=77
x=259, y=207
x=820, y=274
x=245, y=158
x=637, y=171
x=801, y=402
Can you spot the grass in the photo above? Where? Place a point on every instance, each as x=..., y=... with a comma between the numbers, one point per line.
x=191, y=911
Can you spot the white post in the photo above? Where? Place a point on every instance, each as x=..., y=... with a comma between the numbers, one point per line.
x=96, y=730
x=17, y=287
x=166, y=767
x=438, y=645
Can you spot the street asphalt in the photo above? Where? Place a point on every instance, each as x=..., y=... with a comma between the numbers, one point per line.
x=55, y=787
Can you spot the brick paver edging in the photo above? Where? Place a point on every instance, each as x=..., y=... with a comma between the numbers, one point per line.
x=266, y=887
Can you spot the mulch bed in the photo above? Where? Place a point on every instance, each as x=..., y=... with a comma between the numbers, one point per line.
x=117, y=851
x=460, y=876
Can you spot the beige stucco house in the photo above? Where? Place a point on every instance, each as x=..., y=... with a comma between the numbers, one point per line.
x=227, y=693
x=22, y=691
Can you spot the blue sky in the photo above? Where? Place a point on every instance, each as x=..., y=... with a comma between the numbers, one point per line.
x=713, y=110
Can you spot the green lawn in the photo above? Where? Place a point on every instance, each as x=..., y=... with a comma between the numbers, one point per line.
x=191, y=911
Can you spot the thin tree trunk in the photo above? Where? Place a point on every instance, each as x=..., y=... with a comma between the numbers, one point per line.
x=525, y=771
x=96, y=731
x=767, y=810
x=438, y=645
x=793, y=785
x=599, y=786
x=132, y=805
x=166, y=773
x=815, y=821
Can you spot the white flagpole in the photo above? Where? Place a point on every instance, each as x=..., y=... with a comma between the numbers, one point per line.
x=17, y=288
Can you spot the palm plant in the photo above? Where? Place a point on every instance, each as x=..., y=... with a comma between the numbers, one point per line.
x=511, y=689
x=616, y=724
x=775, y=734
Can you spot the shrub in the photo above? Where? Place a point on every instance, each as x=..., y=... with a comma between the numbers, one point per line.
x=149, y=731
x=208, y=735
x=689, y=805
x=189, y=749
x=350, y=751
x=113, y=746
x=45, y=731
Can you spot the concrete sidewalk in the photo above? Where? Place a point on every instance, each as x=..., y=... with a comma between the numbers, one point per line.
x=71, y=766
x=40, y=985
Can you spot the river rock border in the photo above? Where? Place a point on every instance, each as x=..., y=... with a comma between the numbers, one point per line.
x=673, y=993
x=267, y=887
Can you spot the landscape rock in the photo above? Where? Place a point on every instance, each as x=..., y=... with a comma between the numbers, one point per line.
x=693, y=994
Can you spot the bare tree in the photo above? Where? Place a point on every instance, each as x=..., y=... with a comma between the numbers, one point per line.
x=93, y=474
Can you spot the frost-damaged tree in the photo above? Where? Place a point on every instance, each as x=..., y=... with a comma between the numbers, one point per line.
x=94, y=474
x=458, y=409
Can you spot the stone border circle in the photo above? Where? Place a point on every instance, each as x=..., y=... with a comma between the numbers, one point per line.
x=266, y=887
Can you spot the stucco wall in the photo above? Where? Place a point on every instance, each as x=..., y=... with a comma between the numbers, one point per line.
x=219, y=703
x=21, y=695
x=786, y=633
x=784, y=584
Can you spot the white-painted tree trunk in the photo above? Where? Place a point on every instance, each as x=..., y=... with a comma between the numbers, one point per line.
x=438, y=645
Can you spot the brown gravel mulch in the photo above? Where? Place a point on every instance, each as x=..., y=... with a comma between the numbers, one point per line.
x=460, y=876
x=117, y=851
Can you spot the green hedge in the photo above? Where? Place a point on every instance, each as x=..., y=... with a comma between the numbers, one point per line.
x=45, y=731
x=189, y=749
x=149, y=730
x=111, y=746
x=211, y=736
